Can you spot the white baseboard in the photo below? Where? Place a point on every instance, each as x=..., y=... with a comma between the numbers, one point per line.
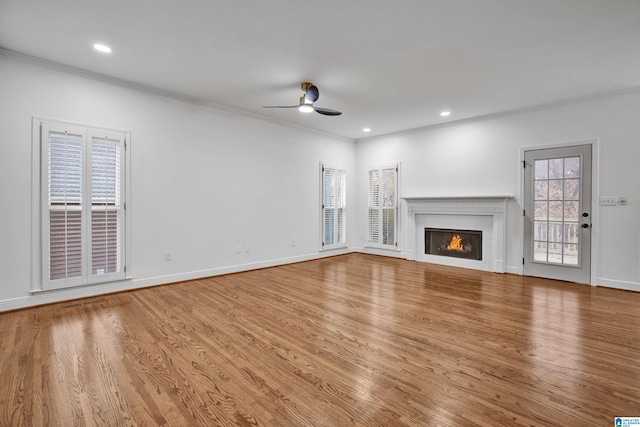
x=381, y=252
x=59, y=295
x=618, y=284
x=513, y=270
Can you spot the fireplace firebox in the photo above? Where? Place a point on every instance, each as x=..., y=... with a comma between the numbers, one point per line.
x=453, y=243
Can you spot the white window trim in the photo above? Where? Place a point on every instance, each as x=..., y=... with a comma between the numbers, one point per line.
x=378, y=245
x=323, y=245
x=38, y=192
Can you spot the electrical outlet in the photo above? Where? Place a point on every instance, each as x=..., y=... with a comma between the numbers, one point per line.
x=622, y=201
x=293, y=243
x=608, y=201
x=167, y=255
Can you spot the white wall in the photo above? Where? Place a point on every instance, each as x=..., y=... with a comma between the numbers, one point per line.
x=203, y=181
x=482, y=157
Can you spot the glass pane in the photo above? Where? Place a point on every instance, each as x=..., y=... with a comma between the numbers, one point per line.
x=65, y=244
x=340, y=227
x=329, y=190
x=105, y=171
x=389, y=188
x=556, y=168
x=541, y=190
x=341, y=188
x=541, y=210
x=541, y=168
x=105, y=242
x=572, y=167
x=556, y=211
x=374, y=225
x=540, y=251
x=555, y=232
x=374, y=188
x=555, y=253
x=329, y=223
x=572, y=233
x=389, y=227
x=570, y=255
x=555, y=189
x=65, y=169
x=571, y=189
x=571, y=212
x=556, y=227
x=540, y=230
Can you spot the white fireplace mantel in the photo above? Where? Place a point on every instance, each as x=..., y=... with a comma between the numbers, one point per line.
x=491, y=206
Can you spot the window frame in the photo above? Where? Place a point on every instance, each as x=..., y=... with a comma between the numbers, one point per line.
x=380, y=208
x=342, y=207
x=41, y=128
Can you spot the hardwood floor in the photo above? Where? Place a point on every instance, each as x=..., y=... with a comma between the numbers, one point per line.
x=349, y=340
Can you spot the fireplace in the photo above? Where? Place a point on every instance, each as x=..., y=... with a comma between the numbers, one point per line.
x=453, y=243
x=485, y=213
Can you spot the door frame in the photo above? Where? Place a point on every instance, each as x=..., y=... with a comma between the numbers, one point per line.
x=595, y=196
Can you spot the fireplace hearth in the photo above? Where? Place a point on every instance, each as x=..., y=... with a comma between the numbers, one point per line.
x=453, y=243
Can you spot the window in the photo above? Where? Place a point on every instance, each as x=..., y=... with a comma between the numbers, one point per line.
x=383, y=207
x=82, y=188
x=334, y=202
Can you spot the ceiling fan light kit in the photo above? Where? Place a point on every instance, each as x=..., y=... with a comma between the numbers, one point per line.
x=311, y=95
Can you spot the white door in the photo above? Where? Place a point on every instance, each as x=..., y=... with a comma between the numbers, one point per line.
x=557, y=224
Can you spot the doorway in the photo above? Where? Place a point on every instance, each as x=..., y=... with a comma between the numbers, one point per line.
x=557, y=214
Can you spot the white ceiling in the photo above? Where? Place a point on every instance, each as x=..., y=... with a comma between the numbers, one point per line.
x=388, y=65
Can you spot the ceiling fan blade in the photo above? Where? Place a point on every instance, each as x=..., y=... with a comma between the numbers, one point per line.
x=327, y=111
x=280, y=106
x=312, y=94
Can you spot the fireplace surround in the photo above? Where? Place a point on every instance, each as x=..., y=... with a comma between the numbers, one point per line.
x=483, y=213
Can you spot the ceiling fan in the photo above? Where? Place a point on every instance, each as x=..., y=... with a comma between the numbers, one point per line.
x=311, y=95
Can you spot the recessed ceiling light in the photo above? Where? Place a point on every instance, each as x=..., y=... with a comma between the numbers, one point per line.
x=102, y=48
x=366, y=129
x=445, y=113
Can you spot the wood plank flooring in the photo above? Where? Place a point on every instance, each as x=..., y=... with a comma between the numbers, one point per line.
x=353, y=340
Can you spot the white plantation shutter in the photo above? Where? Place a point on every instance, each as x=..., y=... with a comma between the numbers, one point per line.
x=64, y=205
x=83, y=205
x=374, y=206
x=382, y=218
x=106, y=205
x=333, y=206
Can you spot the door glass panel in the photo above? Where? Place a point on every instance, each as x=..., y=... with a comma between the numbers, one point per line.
x=572, y=167
x=541, y=210
x=556, y=168
x=571, y=189
x=556, y=225
x=540, y=251
x=570, y=254
x=541, y=169
x=555, y=189
x=571, y=211
x=542, y=190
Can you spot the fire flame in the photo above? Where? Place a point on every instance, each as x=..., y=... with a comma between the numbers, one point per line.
x=456, y=243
